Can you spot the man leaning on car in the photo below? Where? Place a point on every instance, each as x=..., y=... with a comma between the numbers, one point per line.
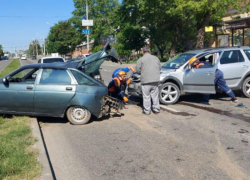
x=149, y=67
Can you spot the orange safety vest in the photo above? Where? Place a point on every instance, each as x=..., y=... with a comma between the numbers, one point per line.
x=117, y=83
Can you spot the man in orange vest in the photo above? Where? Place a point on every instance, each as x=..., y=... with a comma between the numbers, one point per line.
x=118, y=85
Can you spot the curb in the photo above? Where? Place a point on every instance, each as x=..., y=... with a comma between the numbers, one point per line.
x=46, y=171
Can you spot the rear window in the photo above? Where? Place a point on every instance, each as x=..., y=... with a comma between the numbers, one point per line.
x=52, y=60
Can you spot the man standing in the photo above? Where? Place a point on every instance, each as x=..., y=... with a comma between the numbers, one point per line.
x=149, y=68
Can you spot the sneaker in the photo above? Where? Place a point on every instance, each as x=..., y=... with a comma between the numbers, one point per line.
x=145, y=113
x=156, y=112
x=234, y=99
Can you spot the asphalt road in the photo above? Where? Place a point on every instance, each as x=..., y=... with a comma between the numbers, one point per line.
x=4, y=64
x=185, y=141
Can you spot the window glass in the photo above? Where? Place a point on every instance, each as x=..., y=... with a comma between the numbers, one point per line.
x=229, y=57
x=247, y=52
x=83, y=80
x=55, y=76
x=177, y=61
x=25, y=76
x=52, y=60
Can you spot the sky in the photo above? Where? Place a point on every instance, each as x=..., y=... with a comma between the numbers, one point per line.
x=21, y=21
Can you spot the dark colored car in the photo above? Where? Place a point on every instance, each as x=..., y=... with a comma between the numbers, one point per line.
x=91, y=64
x=33, y=57
x=56, y=90
x=5, y=58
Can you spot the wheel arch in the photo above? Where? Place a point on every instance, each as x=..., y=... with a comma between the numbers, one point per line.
x=243, y=79
x=175, y=81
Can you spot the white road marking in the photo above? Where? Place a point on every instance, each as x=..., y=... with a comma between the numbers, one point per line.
x=168, y=108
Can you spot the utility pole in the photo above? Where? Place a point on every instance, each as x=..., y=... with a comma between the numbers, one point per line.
x=33, y=46
x=44, y=45
x=36, y=49
x=87, y=18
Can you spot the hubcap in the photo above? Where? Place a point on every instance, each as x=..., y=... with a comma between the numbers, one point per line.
x=169, y=93
x=248, y=87
x=79, y=114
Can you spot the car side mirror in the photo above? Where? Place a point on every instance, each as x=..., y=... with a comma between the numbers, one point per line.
x=33, y=76
x=6, y=79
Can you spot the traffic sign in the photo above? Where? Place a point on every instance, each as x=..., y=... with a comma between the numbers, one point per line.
x=86, y=31
x=87, y=23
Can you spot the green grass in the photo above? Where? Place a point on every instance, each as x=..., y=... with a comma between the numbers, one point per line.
x=11, y=67
x=18, y=158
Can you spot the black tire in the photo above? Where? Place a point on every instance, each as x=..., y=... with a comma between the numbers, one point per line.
x=246, y=87
x=165, y=97
x=78, y=115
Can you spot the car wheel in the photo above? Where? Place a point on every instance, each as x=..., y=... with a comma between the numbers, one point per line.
x=78, y=115
x=169, y=93
x=246, y=87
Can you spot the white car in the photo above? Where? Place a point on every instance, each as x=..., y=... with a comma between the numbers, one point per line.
x=23, y=57
x=51, y=60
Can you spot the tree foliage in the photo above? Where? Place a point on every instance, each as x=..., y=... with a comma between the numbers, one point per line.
x=34, y=48
x=167, y=25
x=1, y=50
x=102, y=12
x=63, y=38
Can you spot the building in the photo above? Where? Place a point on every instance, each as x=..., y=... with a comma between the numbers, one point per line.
x=234, y=30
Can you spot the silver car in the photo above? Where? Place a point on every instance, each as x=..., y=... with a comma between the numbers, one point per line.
x=177, y=78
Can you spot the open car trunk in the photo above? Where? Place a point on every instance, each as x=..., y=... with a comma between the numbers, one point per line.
x=91, y=64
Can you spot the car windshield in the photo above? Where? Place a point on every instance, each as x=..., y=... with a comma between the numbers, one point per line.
x=177, y=61
x=52, y=60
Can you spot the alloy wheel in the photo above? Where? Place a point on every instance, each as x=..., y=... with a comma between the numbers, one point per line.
x=169, y=93
x=248, y=87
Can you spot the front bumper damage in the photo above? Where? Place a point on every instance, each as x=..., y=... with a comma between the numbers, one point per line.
x=111, y=106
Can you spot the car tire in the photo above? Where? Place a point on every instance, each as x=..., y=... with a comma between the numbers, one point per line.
x=78, y=115
x=246, y=87
x=169, y=93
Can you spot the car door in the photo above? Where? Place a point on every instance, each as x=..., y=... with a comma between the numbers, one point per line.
x=234, y=67
x=18, y=93
x=53, y=92
x=200, y=80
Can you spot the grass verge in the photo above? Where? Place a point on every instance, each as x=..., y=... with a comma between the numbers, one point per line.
x=11, y=67
x=18, y=159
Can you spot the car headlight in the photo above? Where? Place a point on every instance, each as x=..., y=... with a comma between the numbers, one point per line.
x=97, y=77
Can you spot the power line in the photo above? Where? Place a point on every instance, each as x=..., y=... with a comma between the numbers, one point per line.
x=34, y=16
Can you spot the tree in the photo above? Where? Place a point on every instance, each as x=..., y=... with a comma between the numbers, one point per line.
x=102, y=12
x=63, y=38
x=1, y=50
x=34, y=48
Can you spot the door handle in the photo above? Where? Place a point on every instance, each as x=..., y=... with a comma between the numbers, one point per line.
x=245, y=67
x=29, y=87
x=69, y=88
x=209, y=73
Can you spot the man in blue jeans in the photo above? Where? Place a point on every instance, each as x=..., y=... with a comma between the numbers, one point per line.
x=218, y=81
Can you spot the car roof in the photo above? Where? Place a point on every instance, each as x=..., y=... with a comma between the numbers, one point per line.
x=59, y=65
